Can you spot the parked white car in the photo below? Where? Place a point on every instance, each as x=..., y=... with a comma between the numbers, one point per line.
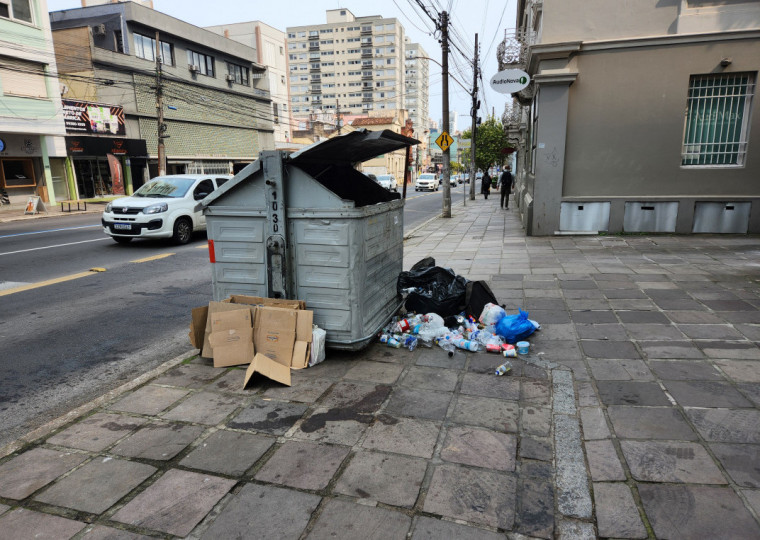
x=162, y=208
x=388, y=181
x=426, y=181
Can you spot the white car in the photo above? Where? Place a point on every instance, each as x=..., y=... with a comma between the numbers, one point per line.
x=426, y=181
x=388, y=181
x=162, y=208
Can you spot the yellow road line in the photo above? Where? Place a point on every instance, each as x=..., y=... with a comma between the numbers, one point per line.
x=14, y=290
x=204, y=246
x=153, y=258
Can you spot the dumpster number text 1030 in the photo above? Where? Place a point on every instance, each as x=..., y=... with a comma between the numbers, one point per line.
x=275, y=213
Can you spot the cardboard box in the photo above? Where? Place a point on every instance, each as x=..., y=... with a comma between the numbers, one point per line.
x=268, y=368
x=282, y=329
x=232, y=337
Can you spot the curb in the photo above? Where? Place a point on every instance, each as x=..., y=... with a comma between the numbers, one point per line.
x=411, y=233
x=53, y=425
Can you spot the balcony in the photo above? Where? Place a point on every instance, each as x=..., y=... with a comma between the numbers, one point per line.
x=366, y=31
x=367, y=76
x=312, y=38
x=512, y=52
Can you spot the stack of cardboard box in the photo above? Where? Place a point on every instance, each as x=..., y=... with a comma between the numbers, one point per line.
x=273, y=336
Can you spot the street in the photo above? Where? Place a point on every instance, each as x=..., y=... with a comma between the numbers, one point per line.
x=78, y=334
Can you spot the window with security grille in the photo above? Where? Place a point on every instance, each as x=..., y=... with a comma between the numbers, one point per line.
x=717, y=120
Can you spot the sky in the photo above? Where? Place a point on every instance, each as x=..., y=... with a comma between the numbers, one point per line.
x=487, y=18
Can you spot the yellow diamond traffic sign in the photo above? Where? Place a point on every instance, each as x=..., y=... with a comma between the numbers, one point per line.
x=444, y=140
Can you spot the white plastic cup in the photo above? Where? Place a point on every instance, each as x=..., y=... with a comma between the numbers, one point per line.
x=523, y=347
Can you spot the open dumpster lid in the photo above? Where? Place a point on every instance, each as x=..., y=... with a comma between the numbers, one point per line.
x=359, y=145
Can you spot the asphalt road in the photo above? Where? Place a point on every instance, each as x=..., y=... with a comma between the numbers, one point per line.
x=79, y=333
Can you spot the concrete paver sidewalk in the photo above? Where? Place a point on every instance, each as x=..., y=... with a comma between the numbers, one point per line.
x=635, y=415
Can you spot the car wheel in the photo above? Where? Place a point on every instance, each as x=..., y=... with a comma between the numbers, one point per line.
x=183, y=231
x=122, y=239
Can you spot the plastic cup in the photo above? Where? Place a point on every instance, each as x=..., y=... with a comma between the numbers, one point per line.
x=522, y=347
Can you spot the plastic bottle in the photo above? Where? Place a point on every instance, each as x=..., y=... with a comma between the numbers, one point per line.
x=411, y=343
x=503, y=369
x=466, y=344
x=393, y=342
x=445, y=343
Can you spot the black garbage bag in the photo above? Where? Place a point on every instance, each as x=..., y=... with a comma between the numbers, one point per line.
x=437, y=290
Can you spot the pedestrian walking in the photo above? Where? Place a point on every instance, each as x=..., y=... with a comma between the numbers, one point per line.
x=506, y=181
x=485, y=187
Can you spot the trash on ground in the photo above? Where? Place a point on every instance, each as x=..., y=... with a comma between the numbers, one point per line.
x=440, y=309
x=504, y=369
x=273, y=331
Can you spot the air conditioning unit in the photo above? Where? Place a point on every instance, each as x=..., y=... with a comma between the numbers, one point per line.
x=195, y=68
x=230, y=78
x=99, y=30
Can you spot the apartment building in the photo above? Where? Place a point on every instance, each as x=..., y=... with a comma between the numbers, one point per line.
x=32, y=149
x=349, y=65
x=641, y=116
x=271, y=46
x=417, y=84
x=217, y=111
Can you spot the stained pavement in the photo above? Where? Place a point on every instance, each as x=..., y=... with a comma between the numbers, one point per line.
x=635, y=415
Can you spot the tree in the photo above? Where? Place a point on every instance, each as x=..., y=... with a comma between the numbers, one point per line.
x=490, y=144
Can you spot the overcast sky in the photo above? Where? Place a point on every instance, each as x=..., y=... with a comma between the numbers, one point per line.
x=488, y=18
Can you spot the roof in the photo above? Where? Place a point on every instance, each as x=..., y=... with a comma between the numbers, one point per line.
x=380, y=121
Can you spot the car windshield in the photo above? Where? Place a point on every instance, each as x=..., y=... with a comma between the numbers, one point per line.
x=165, y=187
x=384, y=177
x=427, y=177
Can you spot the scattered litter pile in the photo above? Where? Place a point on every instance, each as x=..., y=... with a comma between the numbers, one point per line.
x=441, y=308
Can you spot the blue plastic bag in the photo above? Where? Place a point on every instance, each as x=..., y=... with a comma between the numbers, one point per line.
x=514, y=328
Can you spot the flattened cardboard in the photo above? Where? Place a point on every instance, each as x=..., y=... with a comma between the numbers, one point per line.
x=268, y=368
x=275, y=333
x=232, y=337
x=269, y=302
x=198, y=326
x=304, y=333
x=216, y=307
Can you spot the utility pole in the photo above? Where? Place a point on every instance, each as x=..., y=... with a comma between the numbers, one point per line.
x=446, y=212
x=474, y=116
x=160, y=111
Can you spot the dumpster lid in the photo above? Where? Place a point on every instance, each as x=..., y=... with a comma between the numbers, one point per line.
x=359, y=145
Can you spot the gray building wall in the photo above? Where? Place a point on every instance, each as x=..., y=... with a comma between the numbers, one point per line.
x=602, y=125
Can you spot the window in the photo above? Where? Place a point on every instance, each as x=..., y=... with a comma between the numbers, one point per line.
x=145, y=48
x=17, y=173
x=204, y=63
x=22, y=78
x=717, y=120
x=20, y=10
x=275, y=113
x=240, y=73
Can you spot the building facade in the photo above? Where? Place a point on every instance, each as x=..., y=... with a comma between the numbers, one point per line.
x=640, y=117
x=349, y=65
x=32, y=149
x=417, y=85
x=271, y=49
x=217, y=112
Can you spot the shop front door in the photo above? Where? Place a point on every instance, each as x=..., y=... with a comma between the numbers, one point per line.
x=93, y=177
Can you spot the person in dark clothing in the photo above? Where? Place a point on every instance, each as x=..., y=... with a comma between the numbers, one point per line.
x=485, y=187
x=506, y=181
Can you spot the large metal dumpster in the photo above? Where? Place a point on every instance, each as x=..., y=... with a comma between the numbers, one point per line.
x=309, y=226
